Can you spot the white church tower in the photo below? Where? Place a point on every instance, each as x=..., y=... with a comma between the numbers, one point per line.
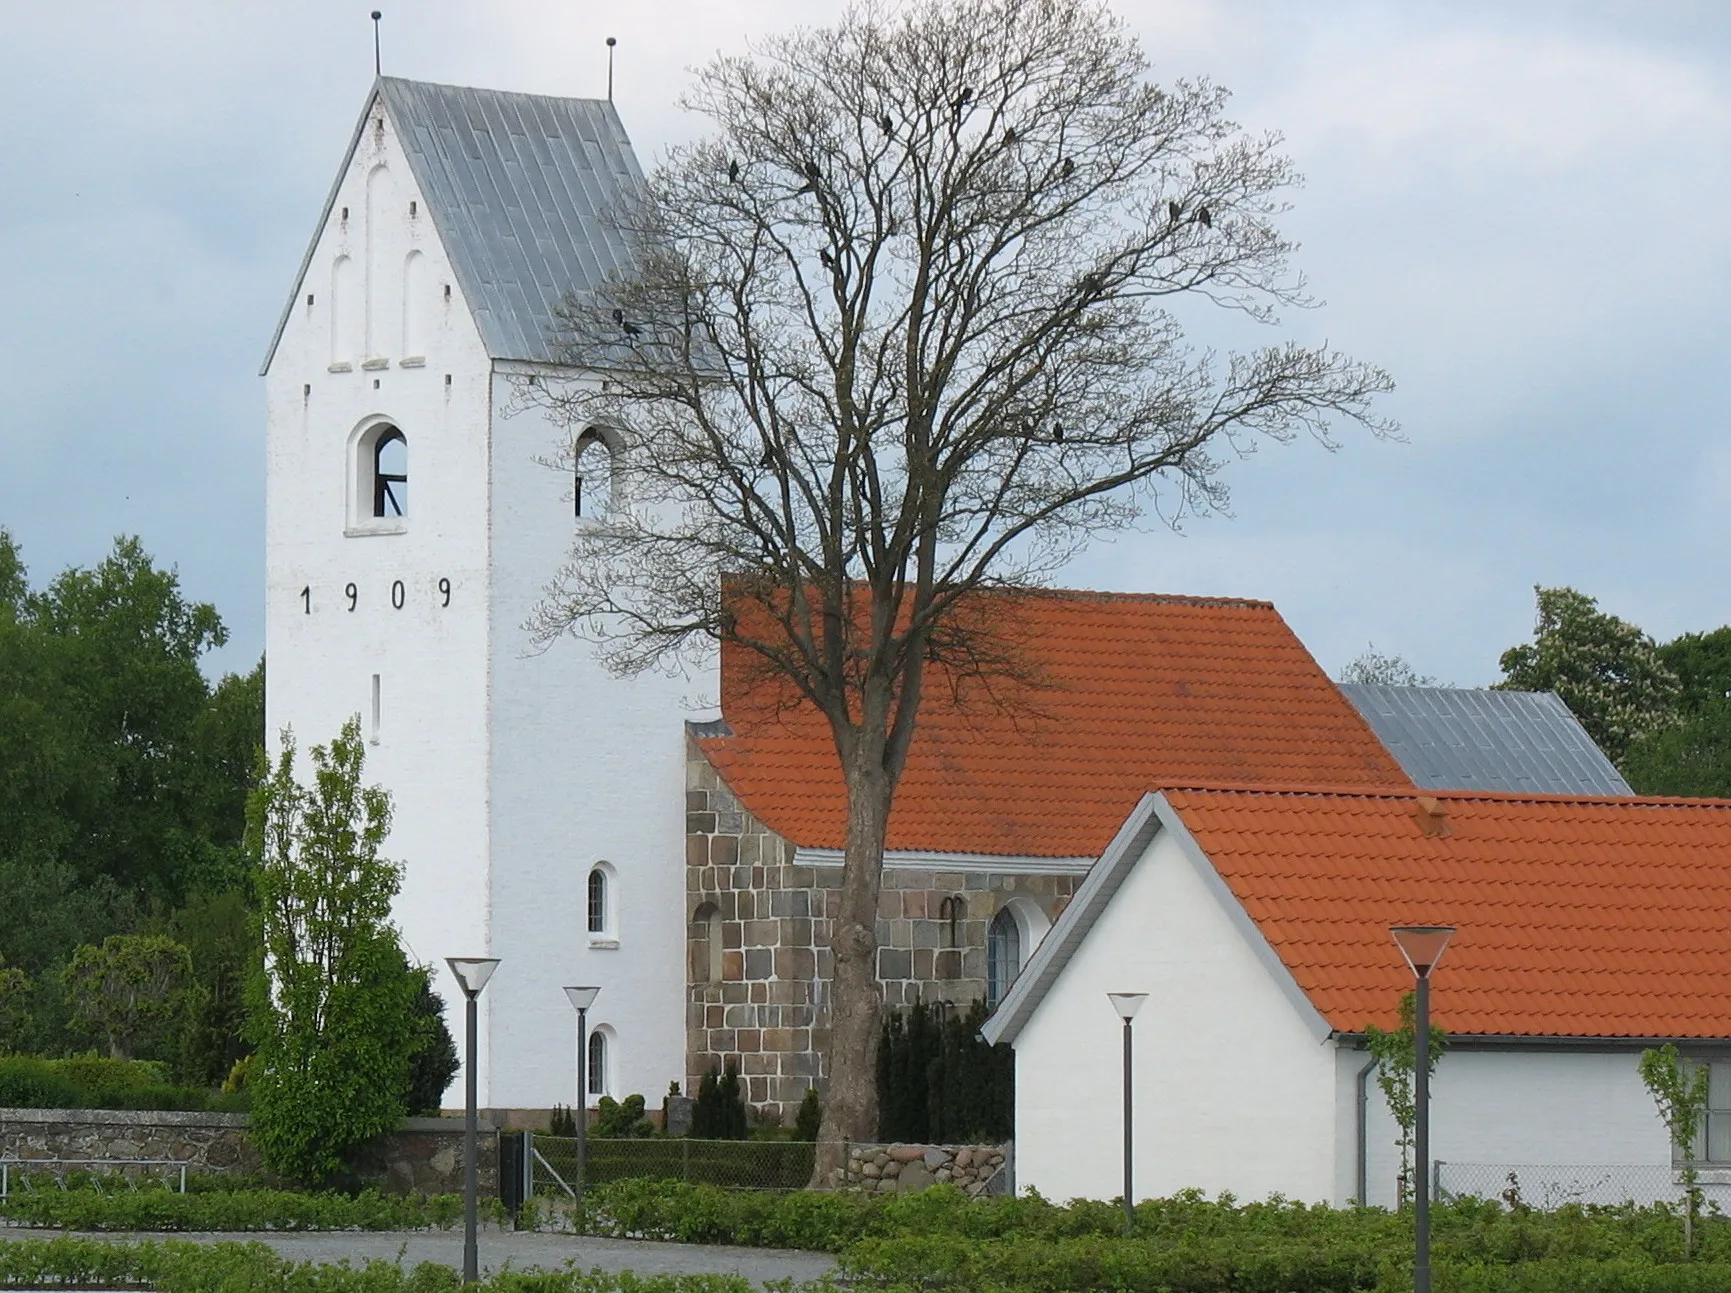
x=411, y=527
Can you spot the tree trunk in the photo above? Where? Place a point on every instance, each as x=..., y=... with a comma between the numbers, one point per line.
x=850, y=1112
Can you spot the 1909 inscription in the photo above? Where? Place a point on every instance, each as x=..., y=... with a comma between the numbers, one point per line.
x=399, y=595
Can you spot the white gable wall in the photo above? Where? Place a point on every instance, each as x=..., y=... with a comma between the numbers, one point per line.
x=1233, y=1091
x=430, y=658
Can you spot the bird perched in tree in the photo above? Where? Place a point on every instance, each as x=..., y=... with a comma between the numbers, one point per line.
x=1204, y=218
x=1069, y=168
x=963, y=99
x=631, y=329
x=886, y=125
x=1092, y=284
x=1174, y=210
x=827, y=259
x=1058, y=432
x=811, y=171
x=733, y=172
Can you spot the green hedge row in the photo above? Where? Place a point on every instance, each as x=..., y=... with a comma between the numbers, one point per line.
x=92, y=1082
x=180, y=1267
x=164, y=1210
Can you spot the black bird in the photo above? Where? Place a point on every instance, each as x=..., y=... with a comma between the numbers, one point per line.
x=1173, y=210
x=618, y=315
x=827, y=259
x=631, y=329
x=886, y=125
x=963, y=99
x=1093, y=283
x=1009, y=136
x=1204, y=218
x=733, y=172
x=1058, y=432
x=811, y=171
x=768, y=459
x=1069, y=168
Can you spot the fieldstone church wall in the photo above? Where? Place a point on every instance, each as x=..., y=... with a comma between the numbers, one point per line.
x=758, y=942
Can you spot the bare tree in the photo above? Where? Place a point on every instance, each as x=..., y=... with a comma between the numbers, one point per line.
x=902, y=330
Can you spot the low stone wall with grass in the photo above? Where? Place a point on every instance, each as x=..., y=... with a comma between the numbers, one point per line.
x=974, y=1169
x=424, y=1156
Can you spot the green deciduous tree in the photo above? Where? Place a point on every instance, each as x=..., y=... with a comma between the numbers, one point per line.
x=909, y=324
x=1680, y=1091
x=1373, y=666
x=1396, y=1056
x=1607, y=671
x=331, y=1003
x=131, y=986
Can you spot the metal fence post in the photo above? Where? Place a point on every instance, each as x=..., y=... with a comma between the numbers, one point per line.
x=685, y=1159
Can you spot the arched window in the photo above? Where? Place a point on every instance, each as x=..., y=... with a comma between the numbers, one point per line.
x=597, y=1063
x=391, y=474
x=592, y=481
x=1003, y=956
x=706, y=947
x=597, y=902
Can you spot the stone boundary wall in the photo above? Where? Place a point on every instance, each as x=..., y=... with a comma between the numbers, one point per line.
x=893, y=1169
x=423, y=1156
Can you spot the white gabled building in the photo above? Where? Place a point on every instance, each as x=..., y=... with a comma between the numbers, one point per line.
x=1257, y=921
x=412, y=526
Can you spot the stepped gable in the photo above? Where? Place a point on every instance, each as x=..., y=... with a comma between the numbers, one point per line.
x=1134, y=691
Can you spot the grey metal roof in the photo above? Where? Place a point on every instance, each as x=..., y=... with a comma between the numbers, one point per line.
x=1459, y=738
x=517, y=186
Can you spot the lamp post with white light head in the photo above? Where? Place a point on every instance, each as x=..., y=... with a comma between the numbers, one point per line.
x=472, y=973
x=1126, y=1004
x=1423, y=947
x=581, y=999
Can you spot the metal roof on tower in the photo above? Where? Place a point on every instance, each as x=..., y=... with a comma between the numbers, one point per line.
x=1461, y=738
x=517, y=186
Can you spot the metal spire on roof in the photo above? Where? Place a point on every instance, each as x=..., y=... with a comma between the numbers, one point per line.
x=610, y=44
x=376, y=65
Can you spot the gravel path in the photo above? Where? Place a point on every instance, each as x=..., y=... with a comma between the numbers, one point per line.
x=522, y=1249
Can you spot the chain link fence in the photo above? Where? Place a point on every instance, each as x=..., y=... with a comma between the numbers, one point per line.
x=1550, y=1186
x=736, y=1164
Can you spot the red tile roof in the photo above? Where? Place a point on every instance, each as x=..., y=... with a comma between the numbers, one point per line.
x=1577, y=917
x=1136, y=691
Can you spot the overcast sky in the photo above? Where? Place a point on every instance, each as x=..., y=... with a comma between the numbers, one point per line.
x=1517, y=209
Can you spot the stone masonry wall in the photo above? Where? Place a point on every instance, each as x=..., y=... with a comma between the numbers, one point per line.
x=891, y=1169
x=761, y=996
x=424, y=1156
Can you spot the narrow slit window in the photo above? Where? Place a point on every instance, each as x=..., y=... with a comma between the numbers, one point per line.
x=592, y=483
x=391, y=474
x=597, y=1063
x=597, y=901
x=375, y=737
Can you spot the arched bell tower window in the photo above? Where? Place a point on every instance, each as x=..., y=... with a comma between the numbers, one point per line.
x=592, y=480
x=598, y=1064
x=598, y=903
x=391, y=474
x=378, y=478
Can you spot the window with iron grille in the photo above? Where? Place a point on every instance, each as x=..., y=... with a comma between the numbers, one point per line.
x=597, y=901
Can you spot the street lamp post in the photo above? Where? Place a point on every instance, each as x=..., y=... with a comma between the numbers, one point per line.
x=472, y=973
x=1126, y=1004
x=1422, y=946
x=582, y=999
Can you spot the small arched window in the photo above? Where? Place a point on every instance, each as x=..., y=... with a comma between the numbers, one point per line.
x=1003, y=956
x=597, y=1063
x=391, y=474
x=592, y=480
x=597, y=901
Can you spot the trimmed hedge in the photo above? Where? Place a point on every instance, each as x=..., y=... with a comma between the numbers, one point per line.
x=92, y=1082
x=156, y=1209
x=181, y=1267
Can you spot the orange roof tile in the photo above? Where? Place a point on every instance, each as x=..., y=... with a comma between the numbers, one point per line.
x=1577, y=917
x=1136, y=691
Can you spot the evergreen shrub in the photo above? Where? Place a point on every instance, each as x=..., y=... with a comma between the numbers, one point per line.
x=719, y=1112
x=939, y=1083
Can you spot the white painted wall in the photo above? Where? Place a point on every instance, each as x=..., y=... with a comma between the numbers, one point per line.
x=588, y=768
x=512, y=772
x=1527, y=1111
x=1232, y=1092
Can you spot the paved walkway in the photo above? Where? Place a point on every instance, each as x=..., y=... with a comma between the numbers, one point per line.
x=525, y=1249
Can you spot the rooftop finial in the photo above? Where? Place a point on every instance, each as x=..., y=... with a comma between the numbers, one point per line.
x=610, y=44
x=376, y=16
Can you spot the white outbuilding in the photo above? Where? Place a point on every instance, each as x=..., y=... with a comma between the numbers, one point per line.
x=1257, y=922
